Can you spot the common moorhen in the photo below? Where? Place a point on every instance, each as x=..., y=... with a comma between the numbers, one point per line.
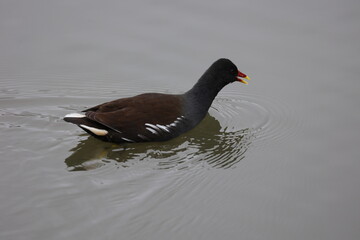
x=156, y=116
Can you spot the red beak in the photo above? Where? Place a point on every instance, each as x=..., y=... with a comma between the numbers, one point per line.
x=242, y=75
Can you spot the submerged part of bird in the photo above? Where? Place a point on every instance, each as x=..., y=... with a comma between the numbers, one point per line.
x=156, y=116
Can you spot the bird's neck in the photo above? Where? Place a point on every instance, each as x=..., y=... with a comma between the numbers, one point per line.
x=202, y=94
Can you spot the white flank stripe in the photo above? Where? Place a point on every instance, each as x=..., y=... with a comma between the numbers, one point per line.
x=74, y=115
x=96, y=131
x=143, y=137
x=152, y=125
x=126, y=139
x=162, y=127
x=152, y=130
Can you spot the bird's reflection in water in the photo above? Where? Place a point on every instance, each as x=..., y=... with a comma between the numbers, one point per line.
x=208, y=143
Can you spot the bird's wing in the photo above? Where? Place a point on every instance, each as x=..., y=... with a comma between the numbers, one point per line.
x=145, y=118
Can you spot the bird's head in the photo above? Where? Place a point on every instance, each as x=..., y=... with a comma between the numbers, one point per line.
x=225, y=70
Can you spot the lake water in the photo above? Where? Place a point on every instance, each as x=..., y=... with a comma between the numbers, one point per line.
x=276, y=159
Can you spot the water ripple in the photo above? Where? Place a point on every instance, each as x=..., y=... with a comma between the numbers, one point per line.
x=235, y=123
x=269, y=120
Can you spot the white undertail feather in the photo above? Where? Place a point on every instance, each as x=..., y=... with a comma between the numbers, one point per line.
x=74, y=115
x=96, y=131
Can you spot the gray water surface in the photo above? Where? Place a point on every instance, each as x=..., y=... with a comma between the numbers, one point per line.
x=277, y=159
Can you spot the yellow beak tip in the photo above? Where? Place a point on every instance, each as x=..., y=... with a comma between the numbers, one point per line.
x=243, y=81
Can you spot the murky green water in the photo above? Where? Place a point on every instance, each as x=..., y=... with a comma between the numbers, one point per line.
x=277, y=159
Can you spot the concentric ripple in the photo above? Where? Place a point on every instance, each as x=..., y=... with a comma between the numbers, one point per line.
x=269, y=120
